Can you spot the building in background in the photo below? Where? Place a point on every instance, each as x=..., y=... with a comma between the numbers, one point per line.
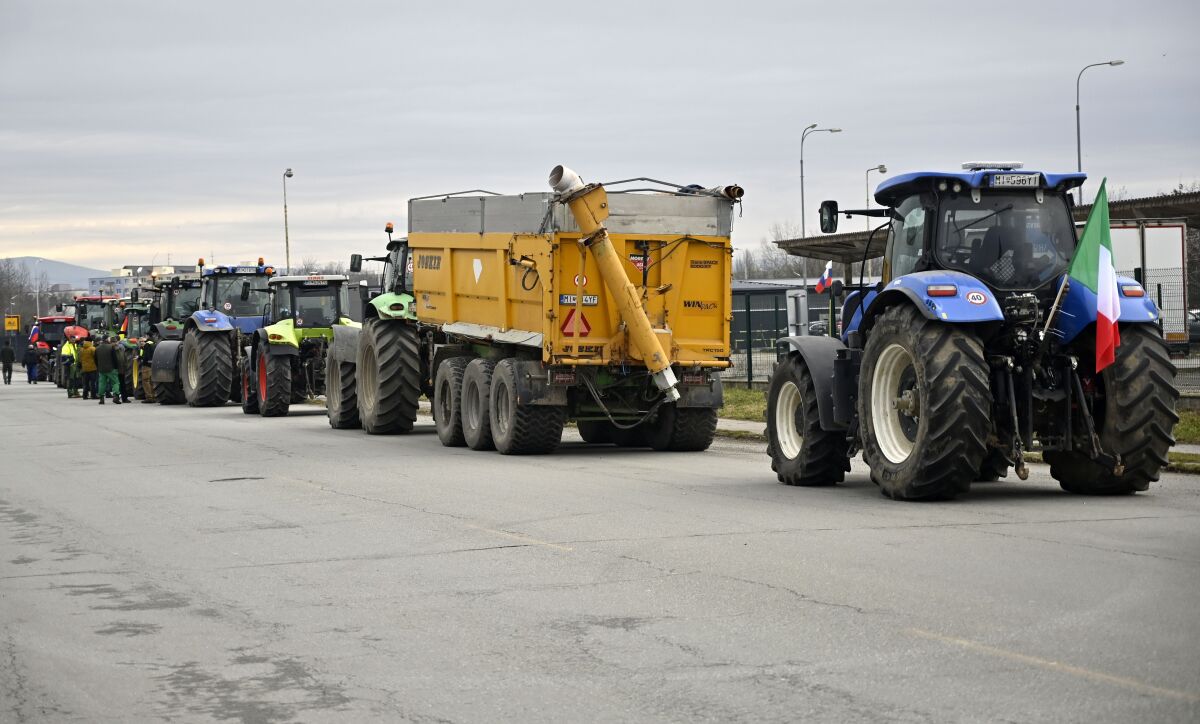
x=125, y=279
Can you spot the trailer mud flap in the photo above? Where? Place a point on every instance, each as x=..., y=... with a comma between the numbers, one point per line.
x=709, y=395
x=164, y=367
x=533, y=385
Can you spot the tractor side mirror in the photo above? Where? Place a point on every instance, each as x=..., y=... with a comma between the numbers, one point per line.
x=58, y=307
x=356, y=263
x=134, y=296
x=829, y=217
x=245, y=291
x=175, y=282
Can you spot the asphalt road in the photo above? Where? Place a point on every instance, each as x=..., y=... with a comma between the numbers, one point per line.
x=187, y=564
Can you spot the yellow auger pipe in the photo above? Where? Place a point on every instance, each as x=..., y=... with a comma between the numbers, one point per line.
x=589, y=206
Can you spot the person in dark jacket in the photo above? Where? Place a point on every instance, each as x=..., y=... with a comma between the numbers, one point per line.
x=107, y=368
x=145, y=366
x=30, y=363
x=7, y=357
x=124, y=362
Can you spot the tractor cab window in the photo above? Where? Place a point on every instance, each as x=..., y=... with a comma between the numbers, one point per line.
x=1007, y=240
x=185, y=301
x=906, y=239
x=398, y=259
x=315, y=304
x=52, y=332
x=229, y=295
x=139, y=325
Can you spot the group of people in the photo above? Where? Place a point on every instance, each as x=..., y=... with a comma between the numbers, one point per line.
x=96, y=371
x=29, y=361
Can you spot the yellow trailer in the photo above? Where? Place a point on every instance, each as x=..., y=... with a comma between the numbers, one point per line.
x=610, y=307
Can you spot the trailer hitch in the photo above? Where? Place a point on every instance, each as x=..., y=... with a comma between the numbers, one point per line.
x=1112, y=462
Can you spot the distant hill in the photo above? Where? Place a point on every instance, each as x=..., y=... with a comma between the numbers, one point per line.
x=59, y=272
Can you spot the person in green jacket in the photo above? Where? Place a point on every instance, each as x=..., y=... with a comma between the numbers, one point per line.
x=108, y=366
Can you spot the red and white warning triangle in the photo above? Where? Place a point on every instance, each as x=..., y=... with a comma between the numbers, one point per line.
x=568, y=325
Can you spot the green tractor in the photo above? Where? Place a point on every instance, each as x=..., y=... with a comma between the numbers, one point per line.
x=285, y=361
x=384, y=401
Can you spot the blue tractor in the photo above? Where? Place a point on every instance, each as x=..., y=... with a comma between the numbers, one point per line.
x=202, y=368
x=953, y=366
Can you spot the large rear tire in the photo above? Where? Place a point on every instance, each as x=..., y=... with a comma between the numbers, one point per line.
x=476, y=390
x=521, y=429
x=801, y=452
x=1136, y=420
x=389, y=376
x=207, y=368
x=447, y=401
x=341, y=394
x=274, y=383
x=682, y=429
x=923, y=406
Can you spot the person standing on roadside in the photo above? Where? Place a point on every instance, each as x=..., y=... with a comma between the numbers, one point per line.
x=7, y=357
x=108, y=367
x=145, y=365
x=124, y=365
x=30, y=363
x=87, y=368
x=68, y=357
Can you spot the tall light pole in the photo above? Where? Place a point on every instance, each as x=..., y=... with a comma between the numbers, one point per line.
x=37, y=287
x=1078, y=142
x=881, y=168
x=287, y=245
x=804, y=135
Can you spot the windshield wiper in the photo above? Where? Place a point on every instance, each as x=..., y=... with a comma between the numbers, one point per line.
x=997, y=212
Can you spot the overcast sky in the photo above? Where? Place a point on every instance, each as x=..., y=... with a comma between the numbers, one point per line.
x=134, y=130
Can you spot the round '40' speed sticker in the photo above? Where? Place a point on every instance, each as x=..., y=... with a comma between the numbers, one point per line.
x=976, y=298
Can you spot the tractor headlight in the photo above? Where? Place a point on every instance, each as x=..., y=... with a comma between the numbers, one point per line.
x=1132, y=290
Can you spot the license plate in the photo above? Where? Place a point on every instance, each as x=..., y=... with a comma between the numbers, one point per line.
x=1016, y=180
x=589, y=300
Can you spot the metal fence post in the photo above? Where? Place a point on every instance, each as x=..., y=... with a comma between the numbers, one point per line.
x=749, y=344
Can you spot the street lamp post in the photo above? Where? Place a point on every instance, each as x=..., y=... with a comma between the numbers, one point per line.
x=804, y=135
x=1078, y=142
x=287, y=245
x=881, y=168
x=37, y=289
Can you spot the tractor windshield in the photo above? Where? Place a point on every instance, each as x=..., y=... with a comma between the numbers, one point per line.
x=184, y=302
x=52, y=332
x=139, y=325
x=316, y=304
x=1007, y=240
x=229, y=295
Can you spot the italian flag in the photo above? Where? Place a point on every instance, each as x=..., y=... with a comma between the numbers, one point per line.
x=1092, y=267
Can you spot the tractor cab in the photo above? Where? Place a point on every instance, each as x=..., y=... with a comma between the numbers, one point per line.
x=393, y=299
x=311, y=301
x=90, y=312
x=976, y=237
x=235, y=292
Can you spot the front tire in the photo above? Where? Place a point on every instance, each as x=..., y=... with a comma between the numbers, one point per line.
x=274, y=384
x=923, y=406
x=207, y=368
x=389, y=376
x=1137, y=420
x=802, y=453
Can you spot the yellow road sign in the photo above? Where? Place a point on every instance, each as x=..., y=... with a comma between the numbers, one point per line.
x=12, y=323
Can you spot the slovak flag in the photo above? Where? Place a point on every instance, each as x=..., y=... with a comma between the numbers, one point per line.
x=826, y=279
x=35, y=334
